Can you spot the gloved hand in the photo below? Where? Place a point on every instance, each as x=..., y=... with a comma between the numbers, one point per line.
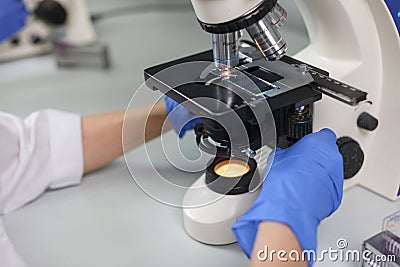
x=304, y=186
x=12, y=17
x=180, y=117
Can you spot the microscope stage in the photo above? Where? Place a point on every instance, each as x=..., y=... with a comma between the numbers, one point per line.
x=282, y=83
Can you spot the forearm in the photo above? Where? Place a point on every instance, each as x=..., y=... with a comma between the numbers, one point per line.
x=276, y=246
x=102, y=134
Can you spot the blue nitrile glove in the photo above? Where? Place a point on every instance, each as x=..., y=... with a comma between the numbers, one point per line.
x=12, y=17
x=180, y=117
x=304, y=186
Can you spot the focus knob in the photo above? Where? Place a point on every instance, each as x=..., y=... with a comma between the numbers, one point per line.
x=51, y=12
x=353, y=156
x=300, y=123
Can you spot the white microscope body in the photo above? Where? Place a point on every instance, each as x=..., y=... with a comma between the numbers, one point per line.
x=38, y=35
x=356, y=41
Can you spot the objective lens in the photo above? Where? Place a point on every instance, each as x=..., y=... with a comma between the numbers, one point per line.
x=278, y=16
x=267, y=38
x=231, y=168
x=226, y=48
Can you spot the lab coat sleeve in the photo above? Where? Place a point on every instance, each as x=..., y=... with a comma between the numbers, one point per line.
x=8, y=255
x=43, y=151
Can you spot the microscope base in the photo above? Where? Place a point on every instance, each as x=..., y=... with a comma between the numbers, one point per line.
x=212, y=222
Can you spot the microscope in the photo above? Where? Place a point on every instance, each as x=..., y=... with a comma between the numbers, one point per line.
x=62, y=21
x=252, y=98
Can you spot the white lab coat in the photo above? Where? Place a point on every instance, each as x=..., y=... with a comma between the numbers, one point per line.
x=43, y=151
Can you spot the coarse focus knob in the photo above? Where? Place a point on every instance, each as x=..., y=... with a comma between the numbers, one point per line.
x=367, y=121
x=51, y=12
x=353, y=156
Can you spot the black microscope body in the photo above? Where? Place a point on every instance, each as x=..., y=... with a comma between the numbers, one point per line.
x=289, y=86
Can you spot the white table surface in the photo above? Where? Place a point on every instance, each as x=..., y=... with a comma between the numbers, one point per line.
x=108, y=220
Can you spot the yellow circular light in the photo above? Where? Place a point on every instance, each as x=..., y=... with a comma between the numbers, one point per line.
x=231, y=168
